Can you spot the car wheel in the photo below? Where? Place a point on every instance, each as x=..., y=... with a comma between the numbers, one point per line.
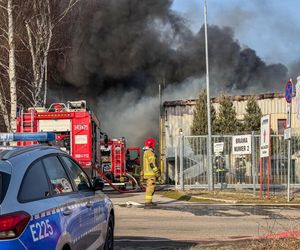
x=109, y=241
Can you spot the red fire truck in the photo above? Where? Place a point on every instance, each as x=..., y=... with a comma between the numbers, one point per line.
x=77, y=130
x=120, y=165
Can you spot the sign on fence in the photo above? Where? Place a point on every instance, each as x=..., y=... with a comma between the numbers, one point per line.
x=287, y=133
x=241, y=145
x=218, y=147
x=265, y=136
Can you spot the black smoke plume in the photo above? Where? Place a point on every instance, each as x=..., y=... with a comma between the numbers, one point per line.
x=122, y=50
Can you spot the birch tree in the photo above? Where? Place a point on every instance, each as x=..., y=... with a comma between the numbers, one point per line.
x=27, y=32
x=40, y=28
x=8, y=79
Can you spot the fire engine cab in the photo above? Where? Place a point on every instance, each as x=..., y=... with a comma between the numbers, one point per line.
x=77, y=130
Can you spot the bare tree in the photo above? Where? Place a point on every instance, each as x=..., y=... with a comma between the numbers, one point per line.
x=8, y=65
x=27, y=34
x=40, y=27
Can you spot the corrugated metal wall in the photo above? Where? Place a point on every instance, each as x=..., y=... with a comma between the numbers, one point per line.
x=179, y=115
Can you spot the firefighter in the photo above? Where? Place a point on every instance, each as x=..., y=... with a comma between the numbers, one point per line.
x=133, y=168
x=220, y=170
x=150, y=171
x=240, y=169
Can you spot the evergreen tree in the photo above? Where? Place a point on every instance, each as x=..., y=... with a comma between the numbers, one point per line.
x=226, y=121
x=253, y=116
x=199, y=126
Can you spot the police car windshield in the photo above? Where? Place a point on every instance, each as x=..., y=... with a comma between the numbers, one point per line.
x=4, y=182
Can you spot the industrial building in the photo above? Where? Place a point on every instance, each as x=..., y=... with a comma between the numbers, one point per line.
x=178, y=114
x=178, y=118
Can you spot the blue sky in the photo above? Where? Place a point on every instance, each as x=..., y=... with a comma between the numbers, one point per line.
x=271, y=27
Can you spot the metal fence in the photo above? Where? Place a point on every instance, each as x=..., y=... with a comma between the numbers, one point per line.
x=191, y=164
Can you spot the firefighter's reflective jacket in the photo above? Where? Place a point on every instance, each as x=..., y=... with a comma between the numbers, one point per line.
x=149, y=166
x=220, y=164
x=240, y=165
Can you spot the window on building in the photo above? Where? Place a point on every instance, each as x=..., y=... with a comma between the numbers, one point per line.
x=281, y=123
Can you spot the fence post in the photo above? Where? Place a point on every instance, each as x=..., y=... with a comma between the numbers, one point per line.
x=289, y=170
x=253, y=163
x=209, y=162
x=181, y=155
x=176, y=168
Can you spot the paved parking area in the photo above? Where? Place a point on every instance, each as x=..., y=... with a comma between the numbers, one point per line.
x=179, y=225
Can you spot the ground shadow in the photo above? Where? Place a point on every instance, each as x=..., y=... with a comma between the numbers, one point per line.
x=142, y=243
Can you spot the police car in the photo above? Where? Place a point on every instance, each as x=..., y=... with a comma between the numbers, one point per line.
x=48, y=202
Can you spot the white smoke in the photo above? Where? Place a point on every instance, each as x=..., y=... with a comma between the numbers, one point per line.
x=137, y=117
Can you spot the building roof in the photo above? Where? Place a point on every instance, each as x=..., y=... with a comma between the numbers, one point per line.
x=192, y=102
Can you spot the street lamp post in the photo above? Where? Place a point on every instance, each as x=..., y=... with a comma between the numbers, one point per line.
x=209, y=151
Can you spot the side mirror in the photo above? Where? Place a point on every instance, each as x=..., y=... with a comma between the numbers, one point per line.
x=98, y=184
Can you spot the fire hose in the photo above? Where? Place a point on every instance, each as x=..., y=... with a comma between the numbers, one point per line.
x=139, y=186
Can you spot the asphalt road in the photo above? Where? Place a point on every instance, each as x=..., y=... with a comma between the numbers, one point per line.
x=180, y=225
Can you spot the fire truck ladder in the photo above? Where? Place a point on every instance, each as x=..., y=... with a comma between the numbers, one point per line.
x=118, y=161
x=26, y=122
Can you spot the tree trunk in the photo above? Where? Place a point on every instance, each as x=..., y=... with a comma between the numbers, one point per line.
x=3, y=108
x=12, y=67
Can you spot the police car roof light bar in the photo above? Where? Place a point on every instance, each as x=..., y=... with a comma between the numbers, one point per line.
x=38, y=136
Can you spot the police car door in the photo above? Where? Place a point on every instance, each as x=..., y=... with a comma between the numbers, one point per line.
x=96, y=219
x=47, y=227
x=70, y=204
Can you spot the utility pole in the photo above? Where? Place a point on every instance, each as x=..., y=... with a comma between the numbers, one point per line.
x=209, y=150
x=289, y=126
x=162, y=153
